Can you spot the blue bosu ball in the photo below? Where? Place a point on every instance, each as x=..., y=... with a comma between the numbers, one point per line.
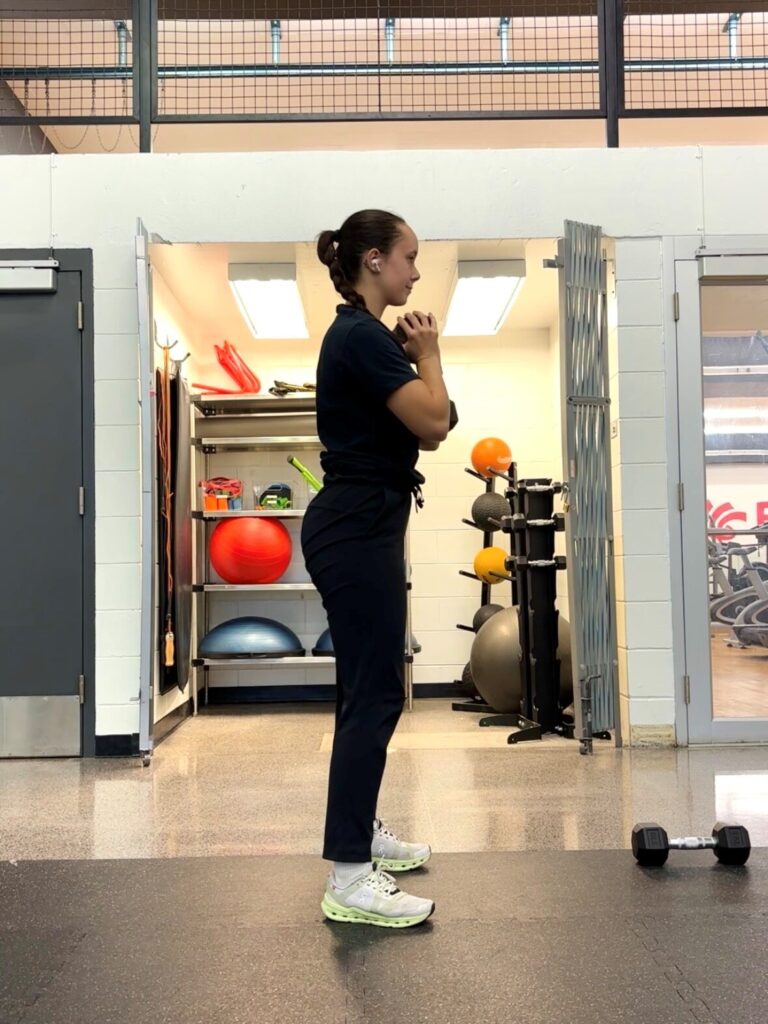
x=324, y=645
x=251, y=637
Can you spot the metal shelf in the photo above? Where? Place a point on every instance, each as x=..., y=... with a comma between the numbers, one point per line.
x=268, y=588
x=254, y=513
x=253, y=443
x=310, y=659
x=253, y=405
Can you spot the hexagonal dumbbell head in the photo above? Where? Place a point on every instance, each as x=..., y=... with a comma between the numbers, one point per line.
x=733, y=845
x=650, y=844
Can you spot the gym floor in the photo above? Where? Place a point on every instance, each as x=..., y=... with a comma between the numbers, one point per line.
x=189, y=891
x=739, y=679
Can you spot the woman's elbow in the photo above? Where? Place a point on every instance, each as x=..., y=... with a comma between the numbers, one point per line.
x=436, y=432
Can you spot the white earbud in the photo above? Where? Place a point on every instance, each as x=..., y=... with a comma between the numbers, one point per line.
x=375, y=266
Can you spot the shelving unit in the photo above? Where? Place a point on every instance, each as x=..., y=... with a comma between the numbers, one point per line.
x=240, y=423
x=245, y=423
x=230, y=444
x=272, y=588
x=289, y=513
x=310, y=659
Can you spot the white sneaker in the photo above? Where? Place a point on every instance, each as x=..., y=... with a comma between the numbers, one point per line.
x=375, y=899
x=392, y=854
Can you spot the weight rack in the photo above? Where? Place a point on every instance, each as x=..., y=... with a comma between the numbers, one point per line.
x=534, y=566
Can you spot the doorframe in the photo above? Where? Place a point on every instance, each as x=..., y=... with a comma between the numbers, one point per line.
x=81, y=261
x=149, y=653
x=679, y=251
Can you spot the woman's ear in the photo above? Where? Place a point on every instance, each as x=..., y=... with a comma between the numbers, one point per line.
x=373, y=261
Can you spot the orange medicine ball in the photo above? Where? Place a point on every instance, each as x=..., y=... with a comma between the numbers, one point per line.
x=490, y=564
x=491, y=453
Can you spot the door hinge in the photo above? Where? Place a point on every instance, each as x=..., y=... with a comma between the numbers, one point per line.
x=79, y=316
x=676, y=305
x=81, y=500
x=81, y=685
x=681, y=497
x=687, y=689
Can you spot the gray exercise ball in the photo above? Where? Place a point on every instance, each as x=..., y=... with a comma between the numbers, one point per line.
x=484, y=613
x=490, y=506
x=467, y=684
x=495, y=662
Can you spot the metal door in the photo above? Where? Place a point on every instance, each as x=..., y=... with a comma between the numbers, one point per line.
x=46, y=467
x=722, y=387
x=587, y=475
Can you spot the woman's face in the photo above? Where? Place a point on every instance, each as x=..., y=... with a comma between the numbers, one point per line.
x=398, y=272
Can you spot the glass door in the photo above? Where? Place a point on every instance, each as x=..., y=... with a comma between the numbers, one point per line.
x=722, y=355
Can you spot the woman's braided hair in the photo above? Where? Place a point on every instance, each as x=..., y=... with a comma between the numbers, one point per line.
x=342, y=251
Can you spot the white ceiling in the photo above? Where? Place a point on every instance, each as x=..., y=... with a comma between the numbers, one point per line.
x=196, y=274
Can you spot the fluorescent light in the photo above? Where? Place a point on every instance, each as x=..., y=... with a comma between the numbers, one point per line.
x=737, y=419
x=483, y=294
x=269, y=299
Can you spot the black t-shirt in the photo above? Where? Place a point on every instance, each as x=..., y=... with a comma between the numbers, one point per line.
x=361, y=363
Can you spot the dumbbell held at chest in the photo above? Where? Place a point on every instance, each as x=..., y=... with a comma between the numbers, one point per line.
x=453, y=416
x=651, y=844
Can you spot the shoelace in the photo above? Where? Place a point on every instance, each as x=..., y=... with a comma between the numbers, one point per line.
x=383, y=883
x=387, y=833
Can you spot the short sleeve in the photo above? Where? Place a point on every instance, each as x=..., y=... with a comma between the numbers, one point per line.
x=377, y=361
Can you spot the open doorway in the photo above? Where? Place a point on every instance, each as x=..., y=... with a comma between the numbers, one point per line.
x=505, y=385
x=724, y=446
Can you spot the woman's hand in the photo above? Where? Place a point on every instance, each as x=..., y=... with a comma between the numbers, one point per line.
x=420, y=330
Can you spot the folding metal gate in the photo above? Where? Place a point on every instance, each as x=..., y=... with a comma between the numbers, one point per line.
x=586, y=452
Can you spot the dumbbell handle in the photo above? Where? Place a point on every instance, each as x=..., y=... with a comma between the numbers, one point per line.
x=693, y=843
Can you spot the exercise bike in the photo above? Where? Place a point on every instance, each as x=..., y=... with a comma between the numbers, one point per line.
x=739, y=597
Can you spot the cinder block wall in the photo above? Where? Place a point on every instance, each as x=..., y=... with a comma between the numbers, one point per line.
x=637, y=195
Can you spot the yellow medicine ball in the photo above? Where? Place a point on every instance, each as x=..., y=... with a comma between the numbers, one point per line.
x=489, y=560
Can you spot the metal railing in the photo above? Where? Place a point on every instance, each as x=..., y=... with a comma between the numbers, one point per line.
x=151, y=62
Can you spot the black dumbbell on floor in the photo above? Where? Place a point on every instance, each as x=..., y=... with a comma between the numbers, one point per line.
x=651, y=844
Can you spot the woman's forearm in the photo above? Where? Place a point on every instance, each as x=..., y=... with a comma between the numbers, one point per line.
x=431, y=372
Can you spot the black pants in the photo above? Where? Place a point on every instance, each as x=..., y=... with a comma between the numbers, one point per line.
x=353, y=539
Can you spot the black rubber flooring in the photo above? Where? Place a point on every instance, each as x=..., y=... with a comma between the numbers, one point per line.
x=517, y=938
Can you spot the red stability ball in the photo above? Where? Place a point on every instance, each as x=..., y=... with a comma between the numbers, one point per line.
x=250, y=550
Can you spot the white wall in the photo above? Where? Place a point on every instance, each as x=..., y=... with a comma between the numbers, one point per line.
x=503, y=388
x=93, y=201
x=641, y=510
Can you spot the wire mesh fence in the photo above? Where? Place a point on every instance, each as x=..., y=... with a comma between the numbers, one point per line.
x=699, y=55
x=61, y=60
x=341, y=58
x=238, y=60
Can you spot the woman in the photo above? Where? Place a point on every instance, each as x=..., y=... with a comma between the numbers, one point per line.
x=374, y=412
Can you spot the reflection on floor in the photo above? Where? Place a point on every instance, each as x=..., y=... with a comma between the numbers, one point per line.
x=253, y=781
x=739, y=680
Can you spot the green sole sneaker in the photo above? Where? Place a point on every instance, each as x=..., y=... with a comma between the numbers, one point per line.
x=403, y=865
x=352, y=915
